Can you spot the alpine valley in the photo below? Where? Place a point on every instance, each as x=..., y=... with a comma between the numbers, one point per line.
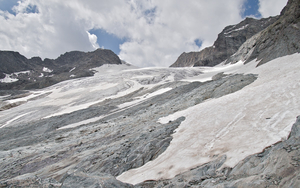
x=226, y=116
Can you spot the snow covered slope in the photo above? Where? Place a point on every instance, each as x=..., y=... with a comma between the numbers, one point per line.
x=235, y=125
x=109, y=82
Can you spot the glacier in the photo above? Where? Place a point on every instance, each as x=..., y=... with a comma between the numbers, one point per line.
x=121, y=104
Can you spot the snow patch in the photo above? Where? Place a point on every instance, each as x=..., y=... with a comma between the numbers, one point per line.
x=14, y=119
x=45, y=69
x=8, y=79
x=22, y=72
x=144, y=97
x=72, y=69
x=91, y=120
x=209, y=72
x=238, y=29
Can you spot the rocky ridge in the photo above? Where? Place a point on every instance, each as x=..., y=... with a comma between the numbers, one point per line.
x=227, y=43
x=281, y=38
x=17, y=72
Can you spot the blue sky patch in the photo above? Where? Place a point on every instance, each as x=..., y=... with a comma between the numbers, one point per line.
x=250, y=8
x=150, y=15
x=198, y=42
x=7, y=5
x=32, y=9
x=107, y=40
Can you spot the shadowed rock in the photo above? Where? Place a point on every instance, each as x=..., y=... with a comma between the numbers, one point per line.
x=42, y=73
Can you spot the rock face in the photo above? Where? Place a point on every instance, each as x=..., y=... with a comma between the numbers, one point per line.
x=227, y=43
x=281, y=38
x=18, y=72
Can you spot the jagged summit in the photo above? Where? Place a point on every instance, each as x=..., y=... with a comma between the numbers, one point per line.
x=281, y=38
x=18, y=72
x=227, y=43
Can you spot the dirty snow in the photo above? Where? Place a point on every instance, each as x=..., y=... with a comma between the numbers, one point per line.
x=81, y=123
x=109, y=82
x=209, y=72
x=236, y=125
x=144, y=97
x=8, y=122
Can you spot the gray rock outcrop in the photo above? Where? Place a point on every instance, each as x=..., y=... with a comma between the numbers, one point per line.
x=227, y=43
x=36, y=73
x=281, y=38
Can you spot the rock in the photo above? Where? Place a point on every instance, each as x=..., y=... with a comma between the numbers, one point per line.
x=218, y=76
x=35, y=73
x=192, y=178
x=281, y=38
x=277, y=40
x=81, y=179
x=227, y=43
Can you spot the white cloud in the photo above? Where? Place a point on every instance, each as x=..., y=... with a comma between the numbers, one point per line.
x=271, y=7
x=93, y=40
x=157, y=31
x=175, y=27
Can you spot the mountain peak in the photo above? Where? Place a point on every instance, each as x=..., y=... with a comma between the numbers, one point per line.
x=227, y=43
x=281, y=38
x=69, y=65
x=264, y=40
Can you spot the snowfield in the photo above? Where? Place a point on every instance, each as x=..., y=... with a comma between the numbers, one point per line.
x=236, y=125
x=110, y=81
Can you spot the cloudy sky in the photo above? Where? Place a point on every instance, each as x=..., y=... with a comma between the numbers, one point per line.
x=141, y=32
